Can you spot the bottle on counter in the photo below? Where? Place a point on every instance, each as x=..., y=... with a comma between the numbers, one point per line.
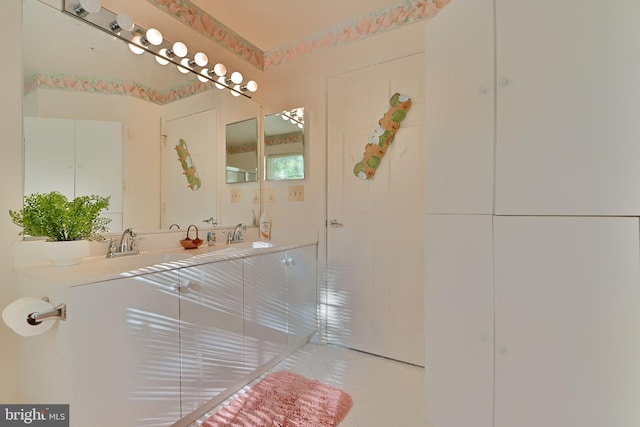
x=265, y=225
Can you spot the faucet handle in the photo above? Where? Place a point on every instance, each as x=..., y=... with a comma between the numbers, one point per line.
x=212, y=222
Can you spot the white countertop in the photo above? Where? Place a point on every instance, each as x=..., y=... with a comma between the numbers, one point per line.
x=100, y=268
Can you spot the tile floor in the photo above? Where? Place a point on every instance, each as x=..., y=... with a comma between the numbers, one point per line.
x=385, y=393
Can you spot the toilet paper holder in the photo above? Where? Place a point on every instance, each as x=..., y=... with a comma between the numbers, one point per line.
x=59, y=312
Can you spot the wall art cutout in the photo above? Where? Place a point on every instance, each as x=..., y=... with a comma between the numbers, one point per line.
x=189, y=168
x=382, y=136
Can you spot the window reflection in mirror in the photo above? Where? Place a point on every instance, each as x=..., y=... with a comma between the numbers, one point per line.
x=242, y=151
x=284, y=145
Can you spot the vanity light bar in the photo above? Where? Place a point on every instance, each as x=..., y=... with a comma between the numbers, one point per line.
x=141, y=40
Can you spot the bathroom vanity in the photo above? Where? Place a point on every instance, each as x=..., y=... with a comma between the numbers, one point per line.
x=160, y=338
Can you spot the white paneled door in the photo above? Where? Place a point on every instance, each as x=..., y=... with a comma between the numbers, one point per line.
x=180, y=204
x=375, y=227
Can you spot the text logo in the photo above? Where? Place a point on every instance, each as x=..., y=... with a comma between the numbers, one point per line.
x=34, y=415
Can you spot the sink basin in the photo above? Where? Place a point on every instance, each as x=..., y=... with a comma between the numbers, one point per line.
x=144, y=260
x=261, y=245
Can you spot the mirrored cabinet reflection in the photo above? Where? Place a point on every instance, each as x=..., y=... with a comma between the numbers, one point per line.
x=242, y=151
x=284, y=145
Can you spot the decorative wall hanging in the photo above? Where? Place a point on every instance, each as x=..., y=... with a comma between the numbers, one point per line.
x=187, y=165
x=382, y=136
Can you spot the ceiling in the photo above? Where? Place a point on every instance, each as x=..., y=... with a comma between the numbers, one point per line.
x=269, y=24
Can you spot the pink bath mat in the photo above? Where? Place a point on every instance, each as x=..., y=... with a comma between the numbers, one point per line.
x=285, y=399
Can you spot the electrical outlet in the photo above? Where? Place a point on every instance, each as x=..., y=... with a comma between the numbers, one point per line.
x=236, y=195
x=296, y=193
x=271, y=195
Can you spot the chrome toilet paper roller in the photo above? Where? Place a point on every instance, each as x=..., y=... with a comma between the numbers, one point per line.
x=31, y=316
x=59, y=312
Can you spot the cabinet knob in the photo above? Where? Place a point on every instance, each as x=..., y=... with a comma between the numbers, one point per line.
x=504, y=82
x=183, y=286
x=503, y=349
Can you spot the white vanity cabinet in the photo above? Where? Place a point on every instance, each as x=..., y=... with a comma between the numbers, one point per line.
x=280, y=302
x=265, y=308
x=302, y=307
x=211, y=331
x=170, y=341
x=125, y=352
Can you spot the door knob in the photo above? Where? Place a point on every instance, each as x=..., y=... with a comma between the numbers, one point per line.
x=335, y=224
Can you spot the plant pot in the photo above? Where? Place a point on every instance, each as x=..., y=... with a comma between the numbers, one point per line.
x=62, y=254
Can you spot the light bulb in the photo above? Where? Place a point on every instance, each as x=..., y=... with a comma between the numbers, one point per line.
x=133, y=47
x=180, y=49
x=252, y=86
x=236, y=91
x=236, y=77
x=154, y=36
x=123, y=22
x=87, y=6
x=221, y=83
x=201, y=59
x=220, y=69
x=184, y=66
x=204, y=75
x=162, y=59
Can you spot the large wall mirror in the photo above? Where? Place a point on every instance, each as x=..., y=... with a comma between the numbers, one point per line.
x=284, y=145
x=101, y=120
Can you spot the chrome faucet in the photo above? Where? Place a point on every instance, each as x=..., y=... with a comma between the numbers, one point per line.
x=127, y=245
x=237, y=235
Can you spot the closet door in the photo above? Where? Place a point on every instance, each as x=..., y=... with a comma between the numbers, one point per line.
x=568, y=96
x=567, y=322
x=459, y=316
x=460, y=109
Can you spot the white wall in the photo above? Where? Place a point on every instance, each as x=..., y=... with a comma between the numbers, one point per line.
x=11, y=177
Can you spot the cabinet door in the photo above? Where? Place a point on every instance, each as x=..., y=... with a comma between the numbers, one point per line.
x=126, y=367
x=459, y=316
x=567, y=322
x=302, y=307
x=211, y=331
x=460, y=109
x=567, y=97
x=49, y=156
x=264, y=308
x=99, y=163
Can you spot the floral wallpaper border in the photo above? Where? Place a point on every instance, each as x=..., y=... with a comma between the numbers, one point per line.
x=245, y=148
x=113, y=87
x=289, y=138
x=190, y=14
x=407, y=12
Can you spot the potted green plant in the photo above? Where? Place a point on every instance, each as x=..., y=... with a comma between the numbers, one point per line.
x=53, y=216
